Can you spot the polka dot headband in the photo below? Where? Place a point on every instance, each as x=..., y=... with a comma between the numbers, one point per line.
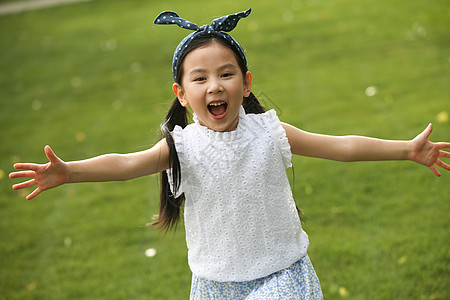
x=218, y=28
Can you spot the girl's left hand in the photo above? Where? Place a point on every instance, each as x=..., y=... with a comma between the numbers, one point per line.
x=427, y=153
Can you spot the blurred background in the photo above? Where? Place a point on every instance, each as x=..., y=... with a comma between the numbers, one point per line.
x=95, y=77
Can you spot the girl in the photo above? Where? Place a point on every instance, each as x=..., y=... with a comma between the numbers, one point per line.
x=243, y=232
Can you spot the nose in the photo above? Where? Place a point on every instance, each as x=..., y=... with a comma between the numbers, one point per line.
x=215, y=86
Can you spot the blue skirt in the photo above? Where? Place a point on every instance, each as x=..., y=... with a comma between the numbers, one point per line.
x=299, y=281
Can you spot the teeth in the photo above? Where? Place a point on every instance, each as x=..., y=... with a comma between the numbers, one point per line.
x=216, y=103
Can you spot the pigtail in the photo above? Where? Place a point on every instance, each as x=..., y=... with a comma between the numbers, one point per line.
x=252, y=106
x=170, y=206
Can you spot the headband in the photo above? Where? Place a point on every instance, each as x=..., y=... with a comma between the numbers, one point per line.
x=218, y=28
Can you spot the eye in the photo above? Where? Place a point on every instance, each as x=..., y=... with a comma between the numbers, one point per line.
x=199, y=79
x=226, y=74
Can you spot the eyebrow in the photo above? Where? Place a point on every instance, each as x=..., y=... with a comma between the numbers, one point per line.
x=225, y=66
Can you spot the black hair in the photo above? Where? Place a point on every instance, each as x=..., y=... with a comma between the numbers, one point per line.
x=170, y=205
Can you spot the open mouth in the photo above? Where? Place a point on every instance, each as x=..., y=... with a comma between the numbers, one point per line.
x=218, y=109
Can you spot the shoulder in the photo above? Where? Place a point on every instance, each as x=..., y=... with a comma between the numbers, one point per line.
x=179, y=131
x=267, y=121
x=268, y=115
x=272, y=131
x=181, y=136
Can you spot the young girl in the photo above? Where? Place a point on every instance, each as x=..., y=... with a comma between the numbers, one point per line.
x=243, y=232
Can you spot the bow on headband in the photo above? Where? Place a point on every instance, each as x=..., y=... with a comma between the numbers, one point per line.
x=218, y=27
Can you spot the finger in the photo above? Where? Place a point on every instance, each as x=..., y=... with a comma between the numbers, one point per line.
x=444, y=154
x=50, y=154
x=22, y=174
x=24, y=185
x=34, y=193
x=26, y=166
x=428, y=130
x=436, y=172
x=443, y=165
x=443, y=145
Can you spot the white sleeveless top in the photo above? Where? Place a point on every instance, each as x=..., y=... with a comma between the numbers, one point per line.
x=240, y=217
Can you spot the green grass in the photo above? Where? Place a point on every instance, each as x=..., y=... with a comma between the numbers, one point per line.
x=95, y=78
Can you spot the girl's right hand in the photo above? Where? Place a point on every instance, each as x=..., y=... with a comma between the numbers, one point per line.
x=46, y=176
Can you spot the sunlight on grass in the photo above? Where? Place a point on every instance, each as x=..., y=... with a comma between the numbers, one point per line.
x=80, y=137
x=442, y=117
x=371, y=91
x=150, y=252
x=402, y=260
x=343, y=292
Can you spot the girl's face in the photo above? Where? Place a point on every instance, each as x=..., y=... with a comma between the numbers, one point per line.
x=213, y=86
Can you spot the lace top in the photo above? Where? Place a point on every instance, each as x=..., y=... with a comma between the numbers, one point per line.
x=240, y=217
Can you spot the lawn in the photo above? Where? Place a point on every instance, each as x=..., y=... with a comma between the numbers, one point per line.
x=95, y=77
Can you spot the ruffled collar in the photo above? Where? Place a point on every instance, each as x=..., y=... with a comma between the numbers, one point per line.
x=222, y=135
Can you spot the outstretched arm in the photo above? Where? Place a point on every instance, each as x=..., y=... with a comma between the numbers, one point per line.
x=358, y=148
x=108, y=167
